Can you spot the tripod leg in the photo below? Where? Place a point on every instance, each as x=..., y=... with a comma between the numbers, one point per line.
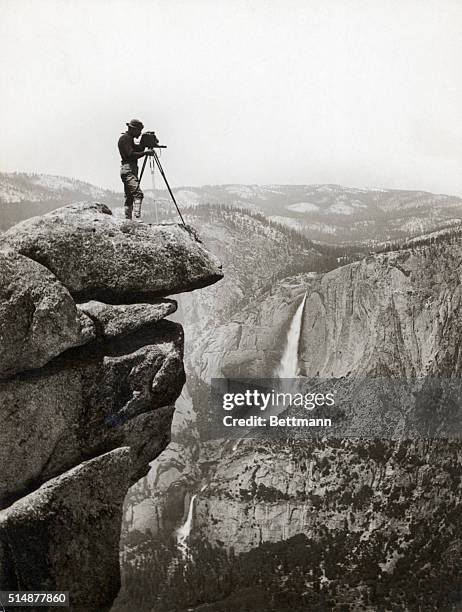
x=151, y=163
x=143, y=167
x=168, y=186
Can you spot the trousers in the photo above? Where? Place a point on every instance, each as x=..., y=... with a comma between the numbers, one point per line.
x=129, y=176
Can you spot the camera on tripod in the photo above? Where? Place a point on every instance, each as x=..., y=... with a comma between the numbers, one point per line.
x=150, y=140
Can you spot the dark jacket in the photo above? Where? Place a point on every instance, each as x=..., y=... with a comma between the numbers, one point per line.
x=127, y=147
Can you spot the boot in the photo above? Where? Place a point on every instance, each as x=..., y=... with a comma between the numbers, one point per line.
x=137, y=209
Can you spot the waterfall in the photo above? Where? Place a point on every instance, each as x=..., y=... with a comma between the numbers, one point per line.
x=184, y=531
x=288, y=367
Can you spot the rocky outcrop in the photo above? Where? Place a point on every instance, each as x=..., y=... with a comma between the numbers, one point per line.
x=88, y=387
x=84, y=403
x=38, y=317
x=67, y=533
x=99, y=256
x=115, y=320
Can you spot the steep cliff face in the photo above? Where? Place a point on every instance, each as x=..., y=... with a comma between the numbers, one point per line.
x=254, y=253
x=229, y=320
x=391, y=503
x=393, y=315
x=275, y=490
x=87, y=387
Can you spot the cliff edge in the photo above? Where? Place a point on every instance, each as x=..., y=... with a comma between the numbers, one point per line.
x=89, y=373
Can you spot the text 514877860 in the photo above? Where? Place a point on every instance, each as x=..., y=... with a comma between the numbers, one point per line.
x=14, y=599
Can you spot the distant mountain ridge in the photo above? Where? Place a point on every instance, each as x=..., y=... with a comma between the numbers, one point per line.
x=24, y=195
x=18, y=187
x=327, y=213
x=333, y=213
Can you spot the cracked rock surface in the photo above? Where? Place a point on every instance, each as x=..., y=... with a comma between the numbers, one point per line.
x=112, y=320
x=90, y=370
x=98, y=256
x=38, y=317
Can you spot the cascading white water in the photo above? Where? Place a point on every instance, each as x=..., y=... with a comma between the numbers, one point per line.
x=288, y=366
x=184, y=531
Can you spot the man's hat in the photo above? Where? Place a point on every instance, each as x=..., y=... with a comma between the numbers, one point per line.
x=135, y=123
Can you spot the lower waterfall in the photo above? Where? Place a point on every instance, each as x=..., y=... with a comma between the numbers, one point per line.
x=184, y=531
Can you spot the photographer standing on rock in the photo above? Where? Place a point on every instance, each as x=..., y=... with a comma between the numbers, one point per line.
x=130, y=153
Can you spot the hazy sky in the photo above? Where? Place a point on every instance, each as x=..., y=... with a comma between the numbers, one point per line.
x=364, y=93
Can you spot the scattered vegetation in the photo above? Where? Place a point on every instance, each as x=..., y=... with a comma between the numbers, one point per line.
x=451, y=234
x=337, y=570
